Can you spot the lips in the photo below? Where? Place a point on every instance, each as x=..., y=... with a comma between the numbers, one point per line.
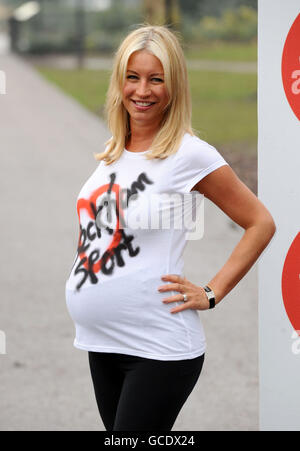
x=142, y=108
x=143, y=101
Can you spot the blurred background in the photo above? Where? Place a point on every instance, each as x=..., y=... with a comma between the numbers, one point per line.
x=57, y=56
x=71, y=42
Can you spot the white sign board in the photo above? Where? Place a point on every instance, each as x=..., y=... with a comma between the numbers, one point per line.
x=279, y=190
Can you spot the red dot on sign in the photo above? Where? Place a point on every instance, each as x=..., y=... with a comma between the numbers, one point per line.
x=290, y=67
x=290, y=284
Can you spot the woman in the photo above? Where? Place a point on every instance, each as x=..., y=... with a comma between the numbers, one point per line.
x=135, y=312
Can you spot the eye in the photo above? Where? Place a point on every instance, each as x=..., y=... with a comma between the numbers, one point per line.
x=154, y=78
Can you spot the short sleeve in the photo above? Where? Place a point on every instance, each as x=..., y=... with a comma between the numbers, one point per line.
x=193, y=161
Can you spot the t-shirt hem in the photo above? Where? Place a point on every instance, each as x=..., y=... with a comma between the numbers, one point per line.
x=93, y=348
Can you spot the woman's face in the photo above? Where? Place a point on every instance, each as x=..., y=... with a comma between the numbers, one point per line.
x=145, y=83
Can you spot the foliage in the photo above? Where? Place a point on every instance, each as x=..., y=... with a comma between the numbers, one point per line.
x=117, y=17
x=195, y=9
x=56, y=31
x=233, y=25
x=107, y=28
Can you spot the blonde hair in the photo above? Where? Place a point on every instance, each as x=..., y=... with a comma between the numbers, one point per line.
x=163, y=44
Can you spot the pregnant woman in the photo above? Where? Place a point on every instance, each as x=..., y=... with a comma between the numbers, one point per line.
x=134, y=310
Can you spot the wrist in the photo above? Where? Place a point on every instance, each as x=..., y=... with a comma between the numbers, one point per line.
x=210, y=296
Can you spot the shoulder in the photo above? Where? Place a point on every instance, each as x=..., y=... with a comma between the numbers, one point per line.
x=196, y=150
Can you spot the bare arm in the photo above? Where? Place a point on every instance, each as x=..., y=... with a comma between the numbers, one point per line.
x=233, y=197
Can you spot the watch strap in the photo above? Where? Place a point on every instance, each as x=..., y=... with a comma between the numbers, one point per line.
x=210, y=296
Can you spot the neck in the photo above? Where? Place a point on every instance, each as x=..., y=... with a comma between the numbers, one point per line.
x=143, y=132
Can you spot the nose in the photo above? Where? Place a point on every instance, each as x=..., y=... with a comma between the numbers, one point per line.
x=143, y=89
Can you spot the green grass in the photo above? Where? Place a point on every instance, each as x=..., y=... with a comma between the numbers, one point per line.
x=88, y=87
x=220, y=51
x=224, y=104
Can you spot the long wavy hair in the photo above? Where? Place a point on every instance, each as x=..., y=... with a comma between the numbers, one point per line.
x=165, y=45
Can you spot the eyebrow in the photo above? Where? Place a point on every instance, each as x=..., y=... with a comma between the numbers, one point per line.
x=150, y=74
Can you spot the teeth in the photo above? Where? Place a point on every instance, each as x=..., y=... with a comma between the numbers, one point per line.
x=143, y=103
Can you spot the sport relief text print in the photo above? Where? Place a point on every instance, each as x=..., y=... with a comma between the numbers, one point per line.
x=97, y=207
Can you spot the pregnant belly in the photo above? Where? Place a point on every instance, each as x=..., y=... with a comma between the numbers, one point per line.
x=130, y=311
x=121, y=300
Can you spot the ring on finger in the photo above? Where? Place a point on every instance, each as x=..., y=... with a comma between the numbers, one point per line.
x=185, y=298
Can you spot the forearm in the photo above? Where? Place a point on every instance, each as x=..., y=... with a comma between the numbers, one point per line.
x=244, y=255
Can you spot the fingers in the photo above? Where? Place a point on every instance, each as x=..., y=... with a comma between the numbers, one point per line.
x=179, y=284
x=172, y=287
x=173, y=278
x=180, y=308
x=176, y=298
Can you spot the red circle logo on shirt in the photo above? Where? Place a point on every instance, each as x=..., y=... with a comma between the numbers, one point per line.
x=290, y=67
x=90, y=205
x=290, y=284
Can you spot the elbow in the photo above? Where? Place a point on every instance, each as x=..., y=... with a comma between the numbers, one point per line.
x=269, y=228
x=274, y=228
x=265, y=226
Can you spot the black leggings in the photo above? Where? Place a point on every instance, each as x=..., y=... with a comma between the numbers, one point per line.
x=140, y=394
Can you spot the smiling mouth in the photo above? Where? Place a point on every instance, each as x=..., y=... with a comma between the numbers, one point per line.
x=140, y=103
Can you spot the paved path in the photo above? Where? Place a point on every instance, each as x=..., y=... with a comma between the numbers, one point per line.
x=47, y=145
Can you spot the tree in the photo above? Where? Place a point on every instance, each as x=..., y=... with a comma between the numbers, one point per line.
x=161, y=12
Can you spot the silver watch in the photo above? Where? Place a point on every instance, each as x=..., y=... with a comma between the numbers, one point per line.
x=210, y=296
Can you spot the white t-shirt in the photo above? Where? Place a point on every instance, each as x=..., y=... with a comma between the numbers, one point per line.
x=126, y=243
